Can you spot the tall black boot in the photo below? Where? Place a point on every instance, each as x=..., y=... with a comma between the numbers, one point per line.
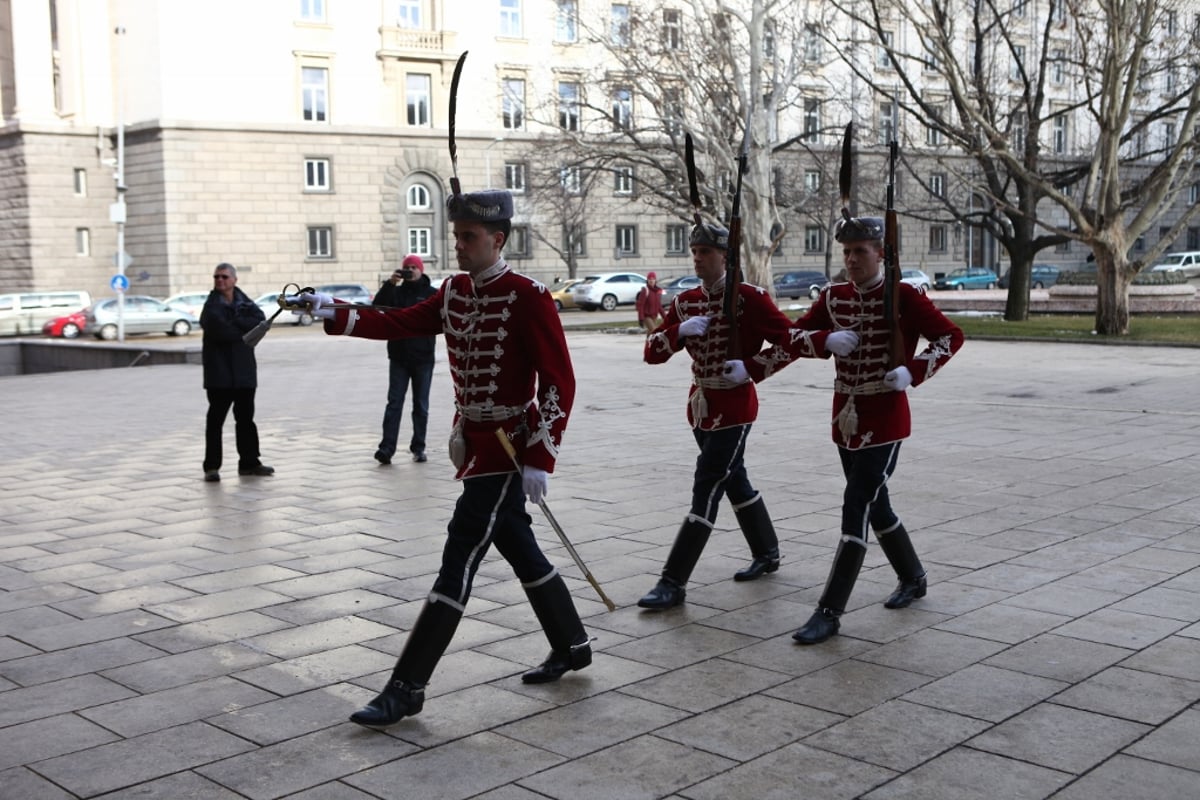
x=404, y=695
x=689, y=544
x=569, y=645
x=759, y=531
x=898, y=548
x=842, y=575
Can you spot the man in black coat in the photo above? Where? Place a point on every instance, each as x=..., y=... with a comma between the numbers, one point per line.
x=410, y=360
x=230, y=373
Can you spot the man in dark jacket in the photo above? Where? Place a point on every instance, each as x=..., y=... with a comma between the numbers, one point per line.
x=230, y=373
x=409, y=361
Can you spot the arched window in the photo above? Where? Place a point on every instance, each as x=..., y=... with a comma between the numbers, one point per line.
x=418, y=198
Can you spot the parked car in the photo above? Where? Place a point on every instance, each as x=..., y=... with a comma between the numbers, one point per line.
x=607, y=290
x=1041, y=276
x=677, y=286
x=142, y=315
x=800, y=283
x=68, y=327
x=1188, y=263
x=28, y=312
x=968, y=278
x=191, y=302
x=917, y=279
x=269, y=303
x=561, y=292
x=350, y=292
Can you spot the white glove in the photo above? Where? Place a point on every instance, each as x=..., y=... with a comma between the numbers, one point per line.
x=536, y=483
x=320, y=303
x=841, y=343
x=694, y=326
x=898, y=379
x=735, y=371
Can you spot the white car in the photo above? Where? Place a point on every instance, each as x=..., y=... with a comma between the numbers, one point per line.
x=607, y=290
x=191, y=302
x=1187, y=262
x=917, y=279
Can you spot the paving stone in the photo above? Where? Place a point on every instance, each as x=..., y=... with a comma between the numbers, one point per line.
x=238, y=578
x=1174, y=743
x=591, y=724
x=706, y=685
x=1004, y=623
x=336, y=790
x=965, y=774
x=323, y=668
x=1178, y=656
x=985, y=692
x=171, y=707
x=38, y=595
x=194, y=635
x=302, y=640
x=849, y=687
x=286, y=718
x=46, y=667
x=1059, y=657
x=1059, y=737
x=39, y=739
x=58, y=697
x=748, y=728
x=681, y=646
x=166, y=672
x=1060, y=598
x=1120, y=628
x=796, y=770
x=1124, y=777
x=932, y=652
x=11, y=649
x=1132, y=694
x=21, y=783
x=174, y=787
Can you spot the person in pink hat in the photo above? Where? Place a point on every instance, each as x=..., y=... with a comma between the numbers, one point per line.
x=649, y=304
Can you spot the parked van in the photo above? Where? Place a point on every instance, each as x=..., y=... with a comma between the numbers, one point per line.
x=24, y=313
x=1188, y=263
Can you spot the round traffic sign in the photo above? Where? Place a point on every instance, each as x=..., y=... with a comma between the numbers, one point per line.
x=119, y=283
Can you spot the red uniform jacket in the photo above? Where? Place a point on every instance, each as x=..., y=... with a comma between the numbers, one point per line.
x=502, y=334
x=865, y=412
x=713, y=401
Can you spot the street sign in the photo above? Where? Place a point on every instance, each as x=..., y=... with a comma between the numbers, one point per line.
x=119, y=283
x=122, y=260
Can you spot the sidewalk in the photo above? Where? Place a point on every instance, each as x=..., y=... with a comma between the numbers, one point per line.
x=162, y=637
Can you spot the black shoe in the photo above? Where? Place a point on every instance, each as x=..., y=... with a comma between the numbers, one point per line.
x=905, y=593
x=419, y=457
x=398, y=700
x=559, y=663
x=382, y=457
x=665, y=594
x=211, y=476
x=761, y=565
x=262, y=470
x=820, y=626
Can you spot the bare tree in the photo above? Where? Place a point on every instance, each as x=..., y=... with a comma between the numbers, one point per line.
x=1029, y=106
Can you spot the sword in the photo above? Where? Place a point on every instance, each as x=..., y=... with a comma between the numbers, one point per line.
x=512, y=454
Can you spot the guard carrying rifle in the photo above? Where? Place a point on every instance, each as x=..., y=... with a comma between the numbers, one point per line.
x=706, y=321
x=871, y=326
x=512, y=371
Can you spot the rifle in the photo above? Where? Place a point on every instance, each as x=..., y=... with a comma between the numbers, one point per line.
x=733, y=253
x=891, y=266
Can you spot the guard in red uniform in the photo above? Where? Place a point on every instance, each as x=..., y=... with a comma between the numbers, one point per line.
x=870, y=408
x=719, y=411
x=511, y=369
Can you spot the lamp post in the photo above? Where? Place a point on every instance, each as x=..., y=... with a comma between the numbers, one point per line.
x=118, y=208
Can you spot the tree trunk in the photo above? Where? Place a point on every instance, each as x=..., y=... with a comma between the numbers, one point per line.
x=1112, y=296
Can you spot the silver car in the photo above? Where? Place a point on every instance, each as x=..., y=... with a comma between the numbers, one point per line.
x=607, y=290
x=141, y=315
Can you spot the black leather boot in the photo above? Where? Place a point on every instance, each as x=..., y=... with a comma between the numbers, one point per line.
x=570, y=648
x=900, y=554
x=820, y=626
x=404, y=695
x=685, y=552
x=759, y=531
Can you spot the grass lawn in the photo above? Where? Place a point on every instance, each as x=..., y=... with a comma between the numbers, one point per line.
x=1143, y=328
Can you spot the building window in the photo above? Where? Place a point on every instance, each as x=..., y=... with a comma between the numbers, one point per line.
x=320, y=241
x=1194, y=194
x=1063, y=247
x=408, y=14
x=812, y=119
x=316, y=175
x=1058, y=11
x=1058, y=67
x=1193, y=239
x=566, y=21
x=81, y=183
x=812, y=44
x=1168, y=132
x=519, y=242
x=510, y=18
x=1019, y=129
x=514, y=103
x=812, y=181
x=672, y=29
x=623, y=181
x=575, y=240
x=933, y=133
x=883, y=56
x=1017, y=65
x=622, y=108
x=814, y=239
x=677, y=240
x=937, y=238
x=619, y=25
x=568, y=106
x=312, y=10
x=514, y=177
x=417, y=91
x=571, y=180
x=420, y=241
x=83, y=242
x=418, y=198
x=1020, y=8
x=887, y=122
x=314, y=89
x=673, y=110
x=937, y=184
x=626, y=240
x=768, y=40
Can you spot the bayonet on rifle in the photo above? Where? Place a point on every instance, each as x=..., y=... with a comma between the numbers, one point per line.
x=891, y=266
x=733, y=253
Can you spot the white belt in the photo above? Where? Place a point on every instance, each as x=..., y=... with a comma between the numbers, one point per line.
x=479, y=413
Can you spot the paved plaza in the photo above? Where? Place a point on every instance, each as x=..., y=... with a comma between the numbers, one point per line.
x=163, y=637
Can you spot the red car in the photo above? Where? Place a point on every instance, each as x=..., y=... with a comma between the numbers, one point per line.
x=67, y=327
